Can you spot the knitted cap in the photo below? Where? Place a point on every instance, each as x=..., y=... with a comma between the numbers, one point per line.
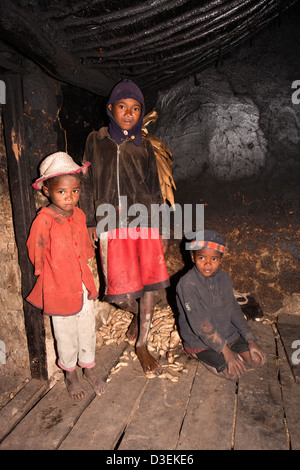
x=211, y=239
x=59, y=163
x=124, y=90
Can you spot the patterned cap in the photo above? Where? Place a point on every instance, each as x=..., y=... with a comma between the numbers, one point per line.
x=207, y=239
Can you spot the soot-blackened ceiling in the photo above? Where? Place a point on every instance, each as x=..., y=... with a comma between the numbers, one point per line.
x=94, y=43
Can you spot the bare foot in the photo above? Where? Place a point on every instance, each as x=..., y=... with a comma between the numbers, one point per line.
x=98, y=385
x=132, y=332
x=224, y=374
x=74, y=388
x=227, y=376
x=148, y=362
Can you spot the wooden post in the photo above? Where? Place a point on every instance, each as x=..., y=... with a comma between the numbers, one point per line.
x=23, y=209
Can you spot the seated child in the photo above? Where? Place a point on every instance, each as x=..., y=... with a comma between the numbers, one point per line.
x=59, y=247
x=211, y=323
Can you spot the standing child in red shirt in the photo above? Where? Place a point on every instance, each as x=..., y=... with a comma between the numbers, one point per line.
x=59, y=247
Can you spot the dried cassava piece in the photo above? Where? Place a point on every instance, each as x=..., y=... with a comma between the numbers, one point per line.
x=163, y=339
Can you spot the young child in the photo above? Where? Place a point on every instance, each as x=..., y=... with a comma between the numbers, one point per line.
x=59, y=247
x=211, y=323
x=124, y=173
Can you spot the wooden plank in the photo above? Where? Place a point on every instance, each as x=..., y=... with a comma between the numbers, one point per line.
x=23, y=209
x=51, y=420
x=157, y=422
x=103, y=422
x=291, y=399
x=15, y=410
x=208, y=424
x=260, y=418
x=48, y=422
x=289, y=330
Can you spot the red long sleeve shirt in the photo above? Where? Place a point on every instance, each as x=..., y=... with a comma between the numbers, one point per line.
x=59, y=248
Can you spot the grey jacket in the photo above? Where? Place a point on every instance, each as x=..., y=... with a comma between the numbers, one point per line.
x=209, y=315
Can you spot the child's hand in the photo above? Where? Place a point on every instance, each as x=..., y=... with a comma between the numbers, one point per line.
x=235, y=363
x=255, y=350
x=93, y=236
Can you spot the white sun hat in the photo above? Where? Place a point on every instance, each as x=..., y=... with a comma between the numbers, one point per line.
x=59, y=163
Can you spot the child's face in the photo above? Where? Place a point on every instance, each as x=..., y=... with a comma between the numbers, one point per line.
x=126, y=113
x=64, y=194
x=206, y=260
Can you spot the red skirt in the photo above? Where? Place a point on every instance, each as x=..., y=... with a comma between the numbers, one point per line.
x=133, y=262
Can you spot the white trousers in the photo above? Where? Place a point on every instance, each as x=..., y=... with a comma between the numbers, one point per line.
x=75, y=337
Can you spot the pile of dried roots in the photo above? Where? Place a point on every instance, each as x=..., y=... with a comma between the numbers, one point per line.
x=163, y=340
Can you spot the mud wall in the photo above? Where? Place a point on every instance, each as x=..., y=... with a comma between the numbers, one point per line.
x=234, y=131
x=237, y=118
x=14, y=363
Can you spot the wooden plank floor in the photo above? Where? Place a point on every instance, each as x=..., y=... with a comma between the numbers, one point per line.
x=199, y=411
